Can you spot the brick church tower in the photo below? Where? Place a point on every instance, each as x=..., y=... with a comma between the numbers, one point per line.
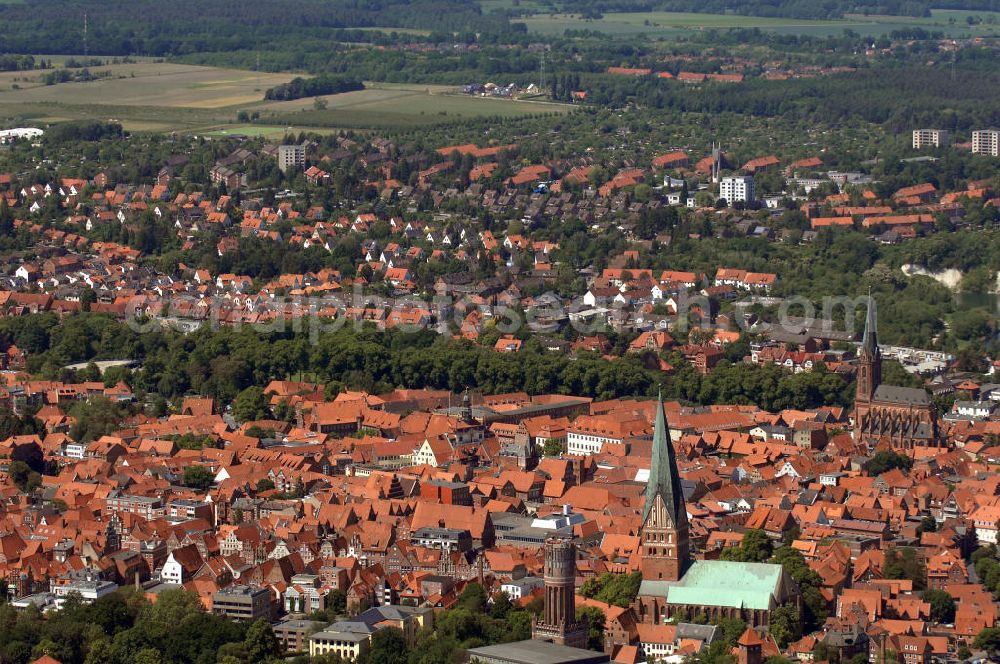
x=559, y=624
x=869, y=358
x=749, y=647
x=903, y=416
x=664, y=532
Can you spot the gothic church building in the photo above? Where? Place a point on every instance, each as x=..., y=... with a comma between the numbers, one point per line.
x=673, y=583
x=902, y=416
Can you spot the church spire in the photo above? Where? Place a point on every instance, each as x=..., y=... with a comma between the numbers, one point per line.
x=664, y=531
x=664, y=480
x=869, y=374
x=869, y=342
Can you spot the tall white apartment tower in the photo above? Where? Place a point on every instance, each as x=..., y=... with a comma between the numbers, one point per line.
x=737, y=189
x=930, y=138
x=986, y=141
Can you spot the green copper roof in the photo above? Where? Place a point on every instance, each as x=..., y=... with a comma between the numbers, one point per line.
x=664, y=479
x=720, y=583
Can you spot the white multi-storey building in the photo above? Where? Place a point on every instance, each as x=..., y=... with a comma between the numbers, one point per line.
x=737, y=189
x=986, y=141
x=930, y=138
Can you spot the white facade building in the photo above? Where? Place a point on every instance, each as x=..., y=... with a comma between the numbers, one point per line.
x=89, y=590
x=986, y=141
x=522, y=587
x=172, y=572
x=737, y=189
x=930, y=138
x=986, y=520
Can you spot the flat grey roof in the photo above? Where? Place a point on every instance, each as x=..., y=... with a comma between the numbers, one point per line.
x=537, y=652
x=297, y=624
x=336, y=635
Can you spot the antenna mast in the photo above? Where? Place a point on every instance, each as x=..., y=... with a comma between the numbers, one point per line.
x=86, y=51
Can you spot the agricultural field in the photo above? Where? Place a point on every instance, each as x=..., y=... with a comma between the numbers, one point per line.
x=389, y=105
x=158, y=96
x=147, y=84
x=254, y=130
x=673, y=24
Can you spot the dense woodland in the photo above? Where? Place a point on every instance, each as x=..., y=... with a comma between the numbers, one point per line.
x=148, y=27
x=900, y=97
x=325, y=84
x=225, y=361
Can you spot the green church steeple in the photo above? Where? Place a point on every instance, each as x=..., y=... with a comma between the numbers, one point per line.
x=664, y=480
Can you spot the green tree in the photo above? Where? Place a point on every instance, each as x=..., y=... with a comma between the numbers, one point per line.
x=518, y=626
x=886, y=460
x=12, y=425
x=6, y=219
x=261, y=644
x=473, y=598
x=148, y=656
x=732, y=629
x=595, y=621
x=172, y=607
x=55, y=650
x=972, y=324
x=96, y=417
x=434, y=648
x=250, y=404
x=100, y=651
x=336, y=601
x=198, y=477
x=23, y=477
x=942, y=605
x=501, y=606
x=784, y=625
x=388, y=646
x=927, y=525
x=902, y=563
x=614, y=589
x=988, y=640
x=756, y=547
x=814, y=606
x=87, y=298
